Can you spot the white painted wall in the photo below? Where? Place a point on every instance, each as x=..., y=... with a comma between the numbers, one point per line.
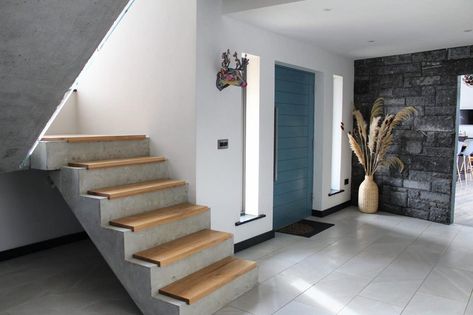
x=219, y=117
x=466, y=102
x=32, y=210
x=66, y=121
x=143, y=81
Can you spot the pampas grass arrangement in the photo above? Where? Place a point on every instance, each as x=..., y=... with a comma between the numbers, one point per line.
x=370, y=145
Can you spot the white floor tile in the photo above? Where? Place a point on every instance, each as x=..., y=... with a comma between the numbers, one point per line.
x=295, y=308
x=423, y=304
x=469, y=308
x=366, y=265
x=268, y=297
x=454, y=284
x=333, y=292
x=457, y=258
x=364, y=306
x=394, y=292
x=311, y=269
x=405, y=270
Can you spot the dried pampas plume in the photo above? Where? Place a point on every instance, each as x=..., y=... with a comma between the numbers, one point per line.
x=370, y=145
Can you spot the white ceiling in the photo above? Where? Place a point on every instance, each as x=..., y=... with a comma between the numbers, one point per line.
x=396, y=26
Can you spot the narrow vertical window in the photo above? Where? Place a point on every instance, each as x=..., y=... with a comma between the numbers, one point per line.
x=251, y=114
x=336, y=133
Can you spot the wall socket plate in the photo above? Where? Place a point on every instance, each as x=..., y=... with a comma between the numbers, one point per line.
x=222, y=144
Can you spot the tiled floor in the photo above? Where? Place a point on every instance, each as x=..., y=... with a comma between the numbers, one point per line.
x=463, y=202
x=67, y=280
x=365, y=264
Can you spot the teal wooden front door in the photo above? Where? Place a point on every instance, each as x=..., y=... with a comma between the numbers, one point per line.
x=293, y=145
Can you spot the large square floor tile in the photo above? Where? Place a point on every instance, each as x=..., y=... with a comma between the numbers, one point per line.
x=423, y=304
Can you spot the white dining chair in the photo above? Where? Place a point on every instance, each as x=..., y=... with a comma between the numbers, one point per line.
x=467, y=165
x=459, y=158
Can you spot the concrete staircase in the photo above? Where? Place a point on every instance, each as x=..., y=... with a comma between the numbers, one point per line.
x=158, y=244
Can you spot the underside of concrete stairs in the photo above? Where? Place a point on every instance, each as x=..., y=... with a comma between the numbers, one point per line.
x=159, y=245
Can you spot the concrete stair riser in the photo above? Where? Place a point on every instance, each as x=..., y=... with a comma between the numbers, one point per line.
x=56, y=154
x=122, y=175
x=218, y=299
x=162, y=276
x=137, y=241
x=126, y=206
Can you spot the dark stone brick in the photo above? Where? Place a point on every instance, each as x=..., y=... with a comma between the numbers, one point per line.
x=459, y=52
x=408, y=135
x=438, y=151
x=435, y=123
x=434, y=55
x=413, y=147
x=405, y=92
x=401, y=68
x=389, y=60
x=385, y=93
x=442, y=186
x=435, y=197
x=391, y=181
x=446, y=97
x=359, y=63
x=458, y=67
x=440, y=215
x=413, y=194
x=394, y=101
x=421, y=81
x=431, y=163
x=362, y=71
x=420, y=100
x=440, y=110
x=420, y=175
x=428, y=91
x=362, y=86
x=417, y=213
x=416, y=185
x=398, y=198
x=433, y=68
x=440, y=139
x=412, y=74
x=390, y=81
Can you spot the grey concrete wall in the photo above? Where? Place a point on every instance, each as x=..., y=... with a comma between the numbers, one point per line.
x=32, y=210
x=44, y=46
x=428, y=81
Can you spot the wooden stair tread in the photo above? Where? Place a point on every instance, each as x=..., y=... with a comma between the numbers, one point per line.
x=135, y=189
x=118, y=162
x=92, y=138
x=205, y=281
x=160, y=216
x=170, y=252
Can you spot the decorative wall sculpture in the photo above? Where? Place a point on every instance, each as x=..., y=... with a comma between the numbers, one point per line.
x=232, y=76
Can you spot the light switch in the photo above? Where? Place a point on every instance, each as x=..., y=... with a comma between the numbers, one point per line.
x=222, y=144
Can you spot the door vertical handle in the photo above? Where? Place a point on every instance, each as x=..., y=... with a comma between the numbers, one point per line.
x=276, y=145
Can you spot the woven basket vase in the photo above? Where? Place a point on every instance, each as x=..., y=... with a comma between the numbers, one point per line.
x=368, y=196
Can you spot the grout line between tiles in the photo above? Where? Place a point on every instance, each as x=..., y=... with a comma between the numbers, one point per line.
x=428, y=275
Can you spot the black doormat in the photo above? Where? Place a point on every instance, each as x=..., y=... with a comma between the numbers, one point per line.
x=306, y=228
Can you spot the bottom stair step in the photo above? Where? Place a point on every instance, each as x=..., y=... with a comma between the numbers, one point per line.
x=201, y=283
